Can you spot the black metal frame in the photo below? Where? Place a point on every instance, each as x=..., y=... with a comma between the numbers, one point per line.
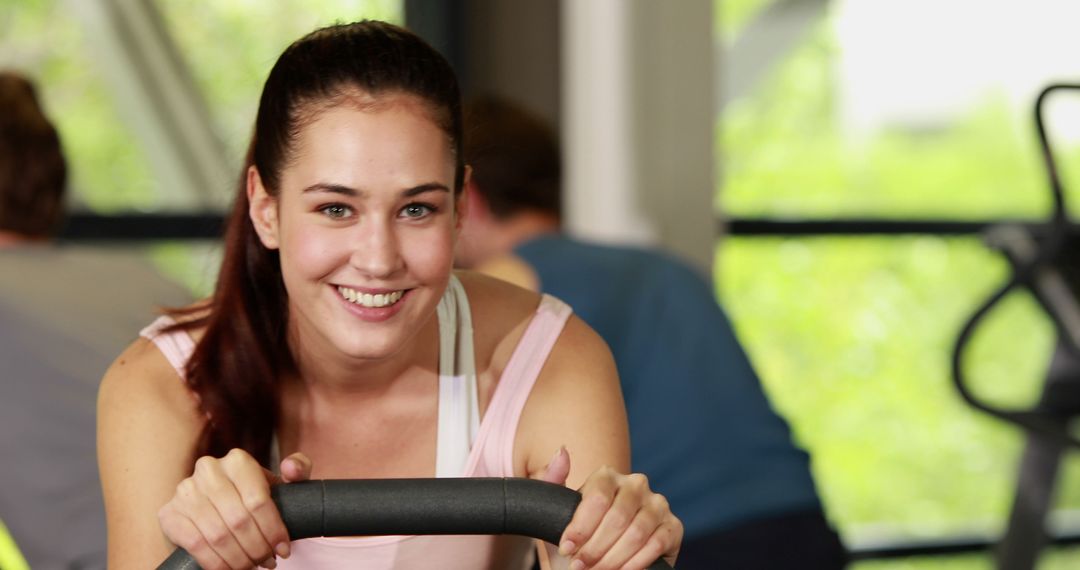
x=861, y=227
x=208, y=225
x=143, y=227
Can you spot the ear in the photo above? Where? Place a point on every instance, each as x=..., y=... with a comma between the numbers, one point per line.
x=262, y=209
x=474, y=206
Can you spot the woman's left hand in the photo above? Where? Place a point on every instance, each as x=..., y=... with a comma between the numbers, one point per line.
x=619, y=524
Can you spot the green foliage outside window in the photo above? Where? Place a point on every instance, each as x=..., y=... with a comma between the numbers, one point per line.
x=853, y=336
x=230, y=47
x=108, y=171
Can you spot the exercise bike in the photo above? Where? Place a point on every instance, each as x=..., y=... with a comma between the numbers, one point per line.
x=1045, y=261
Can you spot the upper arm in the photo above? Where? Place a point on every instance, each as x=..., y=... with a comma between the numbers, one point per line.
x=148, y=424
x=576, y=403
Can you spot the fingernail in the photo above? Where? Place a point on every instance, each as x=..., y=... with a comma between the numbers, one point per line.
x=269, y=563
x=557, y=453
x=577, y=564
x=282, y=549
x=566, y=547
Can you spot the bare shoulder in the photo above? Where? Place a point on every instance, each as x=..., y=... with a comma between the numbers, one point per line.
x=579, y=368
x=141, y=378
x=576, y=403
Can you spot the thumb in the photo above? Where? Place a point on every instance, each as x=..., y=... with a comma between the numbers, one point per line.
x=558, y=468
x=296, y=467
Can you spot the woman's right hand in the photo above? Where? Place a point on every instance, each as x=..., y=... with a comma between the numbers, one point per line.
x=223, y=514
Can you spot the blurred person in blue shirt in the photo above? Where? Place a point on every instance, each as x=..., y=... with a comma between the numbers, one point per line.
x=701, y=426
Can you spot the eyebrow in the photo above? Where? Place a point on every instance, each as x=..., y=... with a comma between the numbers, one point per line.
x=353, y=192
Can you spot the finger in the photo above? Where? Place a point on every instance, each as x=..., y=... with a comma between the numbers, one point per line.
x=558, y=468
x=630, y=542
x=213, y=529
x=631, y=500
x=296, y=467
x=664, y=541
x=183, y=533
x=223, y=483
x=597, y=495
x=258, y=523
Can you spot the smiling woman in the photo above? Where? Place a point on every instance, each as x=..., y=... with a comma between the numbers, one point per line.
x=339, y=338
x=366, y=206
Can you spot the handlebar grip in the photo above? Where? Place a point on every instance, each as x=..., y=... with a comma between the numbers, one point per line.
x=345, y=507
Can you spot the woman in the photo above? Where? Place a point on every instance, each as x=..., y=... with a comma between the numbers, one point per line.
x=339, y=339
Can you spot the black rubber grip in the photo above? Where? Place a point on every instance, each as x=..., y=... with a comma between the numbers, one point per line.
x=372, y=507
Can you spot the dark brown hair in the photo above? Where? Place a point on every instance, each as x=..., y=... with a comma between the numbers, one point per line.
x=514, y=157
x=243, y=354
x=33, y=173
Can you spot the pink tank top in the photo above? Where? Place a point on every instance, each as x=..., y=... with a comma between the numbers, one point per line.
x=488, y=444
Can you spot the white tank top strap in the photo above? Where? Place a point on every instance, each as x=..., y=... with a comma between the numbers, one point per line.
x=459, y=406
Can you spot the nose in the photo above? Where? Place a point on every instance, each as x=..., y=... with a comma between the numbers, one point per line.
x=376, y=250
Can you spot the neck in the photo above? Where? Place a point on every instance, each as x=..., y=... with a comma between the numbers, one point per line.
x=527, y=225
x=497, y=238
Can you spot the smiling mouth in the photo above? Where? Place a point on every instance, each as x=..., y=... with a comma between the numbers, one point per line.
x=368, y=300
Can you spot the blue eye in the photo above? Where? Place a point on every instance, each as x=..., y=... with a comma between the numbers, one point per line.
x=336, y=211
x=416, y=211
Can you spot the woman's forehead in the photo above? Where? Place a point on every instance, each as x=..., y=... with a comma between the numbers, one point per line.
x=366, y=101
x=393, y=142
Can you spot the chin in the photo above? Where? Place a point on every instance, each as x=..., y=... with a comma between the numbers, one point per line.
x=378, y=350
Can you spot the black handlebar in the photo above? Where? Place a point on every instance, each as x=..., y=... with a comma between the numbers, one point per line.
x=345, y=507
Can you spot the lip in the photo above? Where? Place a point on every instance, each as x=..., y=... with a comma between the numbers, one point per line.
x=372, y=314
x=367, y=289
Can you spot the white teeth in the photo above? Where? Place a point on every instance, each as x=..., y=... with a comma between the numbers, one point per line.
x=369, y=300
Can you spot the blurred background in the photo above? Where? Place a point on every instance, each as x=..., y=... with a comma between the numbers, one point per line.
x=831, y=162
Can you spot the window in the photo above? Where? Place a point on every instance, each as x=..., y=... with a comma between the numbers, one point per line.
x=76, y=55
x=227, y=46
x=897, y=110
x=107, y=168
x=230, y=47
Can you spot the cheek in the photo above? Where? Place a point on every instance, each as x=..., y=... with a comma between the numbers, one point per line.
x=309, y=252
x=430, y=253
